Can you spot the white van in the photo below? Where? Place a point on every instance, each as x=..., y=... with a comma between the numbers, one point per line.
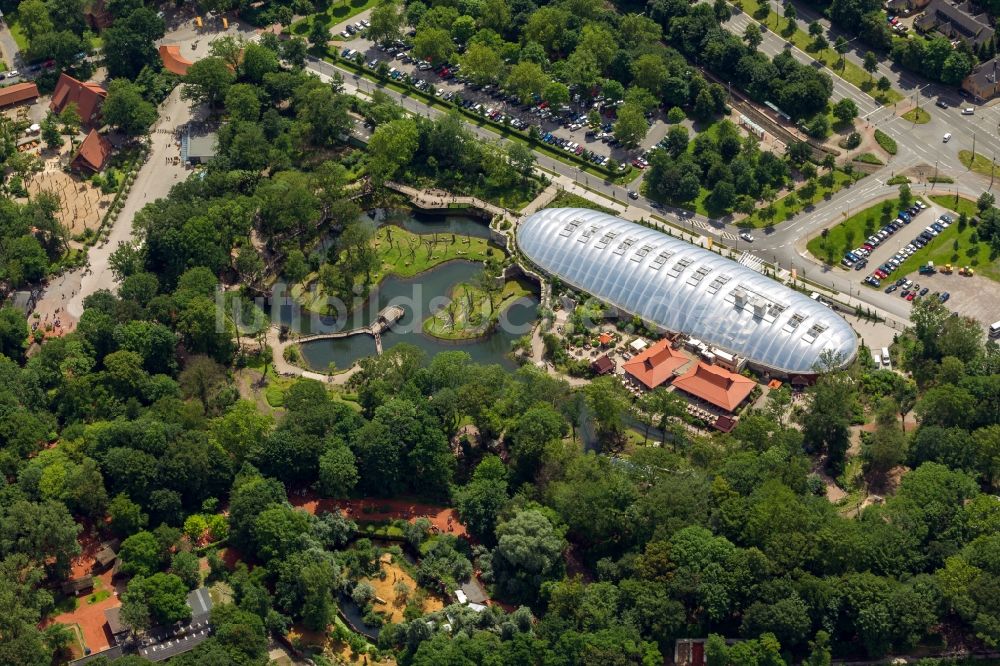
x=947, y=137
x=885, y=357
x=995, y=330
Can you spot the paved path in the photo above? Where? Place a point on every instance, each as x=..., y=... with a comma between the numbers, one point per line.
x=63, y=297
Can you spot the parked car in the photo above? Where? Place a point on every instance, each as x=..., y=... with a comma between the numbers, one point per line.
x=944, y=297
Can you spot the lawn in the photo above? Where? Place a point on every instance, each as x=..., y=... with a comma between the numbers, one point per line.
x=17, y=30
x=917, y=115
x=868, y=158
x=846, y=235
x=788, y=205
x=958, y=204
x=980, y=164
x=337, y=13
x=941, y=250
x=405, y=254
x=469, y=313
x=569, y=200
x=845, y=69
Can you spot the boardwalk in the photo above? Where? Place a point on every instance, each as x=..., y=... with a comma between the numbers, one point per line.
x=383, y=323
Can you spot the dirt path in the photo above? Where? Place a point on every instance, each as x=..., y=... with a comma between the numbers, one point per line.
x=443, y=518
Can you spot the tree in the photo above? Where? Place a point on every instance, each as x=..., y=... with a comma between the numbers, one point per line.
x=883, y=84
x=790, y=14
x=607, y=401
x=44, y=532
x=70, y=119
x=34, y=16
x=631, y=126
x=392, y=146
x=555, y=93
x=752, y=36
x=338, y=473
x=845, y=110
x=386, y=22
x=185, y=566
x=528, y=552
x=819, y=650
x=202, y=378
x=825, y=425
x=165, y=595
x=13, y=333
x=278, y=530
x=241, y=429
x=140, y=554
x=319, y=33
x=481, y=500
x=126, y=110
x=482, y=64
x=126, y=516
x=130, y=44
x=526, y=78
x=207, y=81
x=886, y=446
x=870, y=63
x=50, y=132
x=433, y=45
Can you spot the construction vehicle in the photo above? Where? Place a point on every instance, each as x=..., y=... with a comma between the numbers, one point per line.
x=966, y=271
x=946, y=269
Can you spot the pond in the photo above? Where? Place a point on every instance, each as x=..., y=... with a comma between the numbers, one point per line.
x=420, y=297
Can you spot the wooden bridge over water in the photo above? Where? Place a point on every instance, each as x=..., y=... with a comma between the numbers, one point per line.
x=385, y=320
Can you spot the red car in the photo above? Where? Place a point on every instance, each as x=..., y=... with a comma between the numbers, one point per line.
x=910, y=296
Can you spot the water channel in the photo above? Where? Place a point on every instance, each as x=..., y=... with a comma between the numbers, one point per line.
x=420, y=296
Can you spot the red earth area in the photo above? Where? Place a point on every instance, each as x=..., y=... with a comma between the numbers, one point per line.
x=90, y=616
x=371, y=510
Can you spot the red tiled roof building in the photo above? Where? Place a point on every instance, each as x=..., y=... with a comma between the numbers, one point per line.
x=655, y=365
x=88, y=97
x=715, y=385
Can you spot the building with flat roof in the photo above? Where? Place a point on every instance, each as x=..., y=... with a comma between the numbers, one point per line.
x=678, y=287
x=199, y=145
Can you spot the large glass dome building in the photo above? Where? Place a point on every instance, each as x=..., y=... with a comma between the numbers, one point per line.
x=679, y=287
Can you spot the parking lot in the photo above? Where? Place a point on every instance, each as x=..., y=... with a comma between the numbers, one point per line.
x=897, y=242
x=566, y=127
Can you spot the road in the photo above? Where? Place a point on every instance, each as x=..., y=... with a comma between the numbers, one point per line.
x=11, y=54
x=916, y=142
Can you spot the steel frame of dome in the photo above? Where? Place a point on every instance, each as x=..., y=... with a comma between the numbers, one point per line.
x=679, y=287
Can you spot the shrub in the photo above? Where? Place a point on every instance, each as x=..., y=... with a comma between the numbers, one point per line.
x=675, y=115
x=887, y=142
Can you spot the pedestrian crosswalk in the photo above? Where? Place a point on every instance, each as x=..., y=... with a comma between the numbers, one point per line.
x=750, y=261
x=705, y=226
